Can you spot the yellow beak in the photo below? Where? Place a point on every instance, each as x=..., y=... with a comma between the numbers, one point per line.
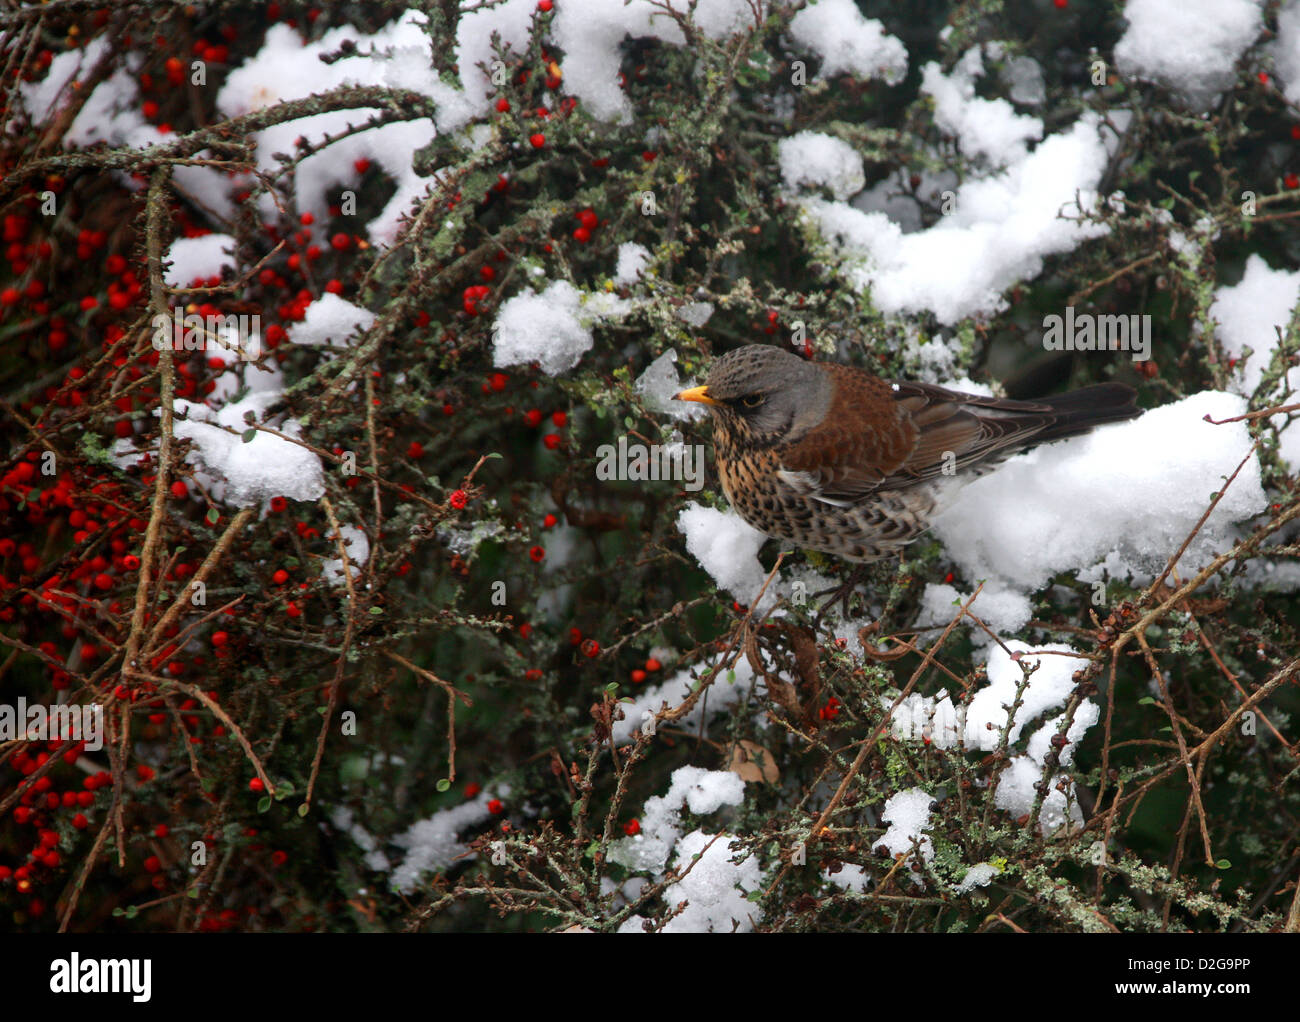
x=700, y=394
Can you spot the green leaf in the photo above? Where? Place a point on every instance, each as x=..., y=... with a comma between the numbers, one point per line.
x=612, y=687
x=443, y=784
x=264, y=803
x=304, y=809
x=376, y=610
x=248, y=435
x=1223, y=864
x=213, y=516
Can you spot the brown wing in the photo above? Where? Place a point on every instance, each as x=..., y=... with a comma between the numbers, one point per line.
x=865, y=439
x=882, y=436
x=958, y=432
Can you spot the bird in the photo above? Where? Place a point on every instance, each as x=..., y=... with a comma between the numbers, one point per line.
x=836, y=459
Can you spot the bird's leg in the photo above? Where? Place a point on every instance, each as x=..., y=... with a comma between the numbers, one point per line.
x=842, y=592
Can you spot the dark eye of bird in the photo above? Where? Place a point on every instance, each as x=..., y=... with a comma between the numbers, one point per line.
x=753, y=400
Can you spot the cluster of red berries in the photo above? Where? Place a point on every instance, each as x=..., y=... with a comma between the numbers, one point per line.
x=474, y=294
x=38, y=808
x=651, y=666
x=587, y=222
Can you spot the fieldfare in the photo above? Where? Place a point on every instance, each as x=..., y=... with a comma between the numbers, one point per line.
x=835, y=459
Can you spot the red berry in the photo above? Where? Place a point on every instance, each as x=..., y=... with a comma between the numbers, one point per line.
x=180, y=490
x=538, y=140
x=256, y=784
x=652, y=665
x=632, y=828
x=549, y=522
x=590, y=648
x=495, y=807
x=537, y=554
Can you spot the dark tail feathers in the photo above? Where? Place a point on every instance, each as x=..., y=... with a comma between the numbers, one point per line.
x=1081, y=410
